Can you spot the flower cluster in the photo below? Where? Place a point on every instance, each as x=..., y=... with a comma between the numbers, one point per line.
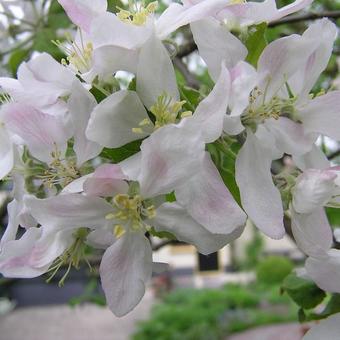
x=56, y=133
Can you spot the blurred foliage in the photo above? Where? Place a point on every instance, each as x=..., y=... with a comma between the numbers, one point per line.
x=273, y=269
x=212, y=314
x=253, y=250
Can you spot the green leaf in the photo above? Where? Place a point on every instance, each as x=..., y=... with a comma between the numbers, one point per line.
x=255, y=42
x=191, y=96
x=224, y=157
x=161, y=234
x=304, y=293
x=43, y=43
x=114, y=5
x=119, y=154
x=16, y=58
x=333, y=216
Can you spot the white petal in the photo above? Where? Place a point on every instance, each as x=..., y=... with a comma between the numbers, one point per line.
x=175, y=17
x=314, y=159
x=260, y=198
x=324, y=32
x=209, y=202
x=76, y=186
x=209, y=115
x=175, y=219
x=70, y=211
x=244, y=78
x=325, y=271
x=232, y=125
x=281, y=59
x=155, y=74
x=82, y=12
x=6, y=152
x=121, y=34
x=290, y=136
x=100, y=238
x=112, y=121
x=41, y=132
x=313, y=189
x=125, y=268
x=216, y=45
x=170, y=156
x=325, y=329
x=13, y=211
x=322, y=115
x=131, y=166
x=80, y=105
x=312, y=232
x=110, y=59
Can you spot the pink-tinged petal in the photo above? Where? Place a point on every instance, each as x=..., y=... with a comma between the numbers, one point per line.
x=80, y=105
x=42, y=133
x=82, y=12
x=170, y=156
x=176, y=15
x=312, y=232
x=110, y=59
x=290, y=136
x=216, y=45
x=173, y=218
x=325, y=271
x=281, y=59
x=313, y=189
x=155, y=73
x=32, y=255
x=15, y=254
x=244, y=78
x=113, y=120
x=314, y=159
x=260, y=198
x=209, y=115
x=325, y=329
x=209, y=202
x=70, y=211
x=6, y=152
x=125, y=269
x=324, y=32
x=322, y=115
x=107, y=181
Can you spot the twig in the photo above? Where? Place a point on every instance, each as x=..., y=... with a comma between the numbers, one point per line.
x=187, y=49
x=189, y=77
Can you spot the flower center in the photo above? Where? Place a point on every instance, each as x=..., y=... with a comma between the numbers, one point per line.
x=79, y=55
x=165, y=112
x=137, y=13
x=259, y=110
x=130, y=214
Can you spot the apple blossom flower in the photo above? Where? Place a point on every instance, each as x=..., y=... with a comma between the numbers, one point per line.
x=118, y=210
x=273, y=106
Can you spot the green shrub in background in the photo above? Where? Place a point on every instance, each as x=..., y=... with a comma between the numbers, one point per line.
x=273, y=270
x=212, y=314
